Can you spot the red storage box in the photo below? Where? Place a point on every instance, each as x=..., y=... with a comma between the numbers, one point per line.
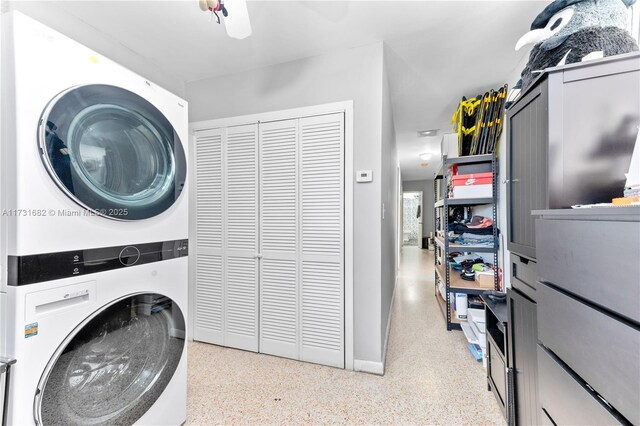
x=474, y=179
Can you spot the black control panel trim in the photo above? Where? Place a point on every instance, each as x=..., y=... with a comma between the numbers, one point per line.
x=36, y=268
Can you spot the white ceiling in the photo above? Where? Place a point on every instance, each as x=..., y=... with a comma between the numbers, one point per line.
x=464, y=49
x=437, y=51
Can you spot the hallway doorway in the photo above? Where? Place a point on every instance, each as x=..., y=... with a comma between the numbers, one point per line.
x=412, y=214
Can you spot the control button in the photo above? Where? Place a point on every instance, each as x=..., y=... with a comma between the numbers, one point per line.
x=129, y=255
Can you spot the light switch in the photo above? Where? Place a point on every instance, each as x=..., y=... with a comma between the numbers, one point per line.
x=364, y=176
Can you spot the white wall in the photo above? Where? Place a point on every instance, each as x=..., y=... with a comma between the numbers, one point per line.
x=353, y=74
x=389, y=229
x=61, y=21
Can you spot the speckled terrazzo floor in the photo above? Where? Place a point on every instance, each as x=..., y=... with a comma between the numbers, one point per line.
x=430, y=376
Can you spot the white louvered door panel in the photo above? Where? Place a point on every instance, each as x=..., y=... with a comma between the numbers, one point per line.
x=270, y=238
x=209, y=299
x=279, y=273
x=322, y=239
x=241, y=237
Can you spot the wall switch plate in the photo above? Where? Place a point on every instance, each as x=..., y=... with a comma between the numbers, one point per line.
x=364, y=176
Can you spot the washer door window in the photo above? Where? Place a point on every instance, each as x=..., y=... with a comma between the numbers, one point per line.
x=115, y=365
x=112, y=152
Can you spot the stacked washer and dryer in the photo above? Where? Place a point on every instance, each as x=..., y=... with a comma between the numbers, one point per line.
x=94, y=236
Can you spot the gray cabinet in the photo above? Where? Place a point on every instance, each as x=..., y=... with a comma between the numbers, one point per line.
x=594, y=114
x=569, y=141
x=588, y=326
x=523, y=338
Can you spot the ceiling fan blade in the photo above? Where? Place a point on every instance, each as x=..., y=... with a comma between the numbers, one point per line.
x=237, y=23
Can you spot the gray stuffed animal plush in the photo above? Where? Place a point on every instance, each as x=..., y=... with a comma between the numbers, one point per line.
x=569, y=31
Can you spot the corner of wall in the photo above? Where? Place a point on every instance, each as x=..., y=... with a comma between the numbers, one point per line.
x=390, y=199
x=385, y=342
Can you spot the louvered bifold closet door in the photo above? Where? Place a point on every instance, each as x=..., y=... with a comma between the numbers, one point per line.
x=209, y=297
x=241, y=237
x=279, y=236
x=322, y=214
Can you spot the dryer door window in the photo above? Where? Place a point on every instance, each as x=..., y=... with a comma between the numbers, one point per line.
x=112, y=152
x=113, y=366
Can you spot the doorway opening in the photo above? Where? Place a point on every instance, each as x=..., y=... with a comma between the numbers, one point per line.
x=412, y=214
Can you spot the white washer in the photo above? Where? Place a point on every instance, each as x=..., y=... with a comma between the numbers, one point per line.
x=94, y=236
x=107, y=348
x=94, y=155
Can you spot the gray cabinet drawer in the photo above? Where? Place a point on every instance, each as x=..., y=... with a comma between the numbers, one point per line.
x=524, y=275
x=603, y=351
x=596, y=260
x=564, y=399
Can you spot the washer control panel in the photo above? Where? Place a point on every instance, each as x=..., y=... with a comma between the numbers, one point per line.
x=129, y=255
x=23, y=270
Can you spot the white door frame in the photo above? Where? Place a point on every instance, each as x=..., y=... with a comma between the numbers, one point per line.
x=345, y=107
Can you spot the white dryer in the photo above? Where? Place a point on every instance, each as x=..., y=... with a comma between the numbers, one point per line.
x=93, y=154
x=94, y=236
x=104, y=348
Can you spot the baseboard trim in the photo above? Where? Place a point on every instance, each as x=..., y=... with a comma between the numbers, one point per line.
x=373, y=367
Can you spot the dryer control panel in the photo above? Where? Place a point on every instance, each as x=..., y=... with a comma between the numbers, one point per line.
x=31, y=269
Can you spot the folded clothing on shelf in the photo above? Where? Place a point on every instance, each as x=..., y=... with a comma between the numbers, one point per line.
x=461, y=228
x=479, y=222
x=472, y=240
x=469, y=258
x=476, y=237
